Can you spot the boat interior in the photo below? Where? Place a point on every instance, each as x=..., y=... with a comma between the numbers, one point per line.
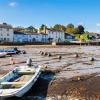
x=16, y=79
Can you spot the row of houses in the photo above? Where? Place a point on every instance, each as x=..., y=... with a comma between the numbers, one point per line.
x=8, y=34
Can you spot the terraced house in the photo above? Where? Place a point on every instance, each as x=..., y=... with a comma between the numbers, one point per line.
x=6, y=33
x=55, y=35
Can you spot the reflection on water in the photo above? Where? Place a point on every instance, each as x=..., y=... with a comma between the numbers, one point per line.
x=39, y=89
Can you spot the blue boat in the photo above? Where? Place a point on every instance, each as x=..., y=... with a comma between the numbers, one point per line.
x=11, y=51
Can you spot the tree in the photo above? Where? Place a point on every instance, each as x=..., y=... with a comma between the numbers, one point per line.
x=70, y=28
x=42, y=28
x=31, y=29
x=59, y=27
x=81, y=29
x=63, y=28
x=76, y=31
x=84, y=37
x=70, y=25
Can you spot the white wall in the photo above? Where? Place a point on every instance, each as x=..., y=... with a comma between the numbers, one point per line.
x=20, y=38
x=6, y=35
x=34, y=37
x=57, y=36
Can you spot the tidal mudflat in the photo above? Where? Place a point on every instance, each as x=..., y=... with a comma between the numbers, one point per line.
x=70, y=72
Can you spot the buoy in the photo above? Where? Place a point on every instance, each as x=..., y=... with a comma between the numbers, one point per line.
x=92, y=59
x=59, y=57
x=42, y=53
x=49, y=54
x=23, y=52
x=45, y=53
x=77, y=55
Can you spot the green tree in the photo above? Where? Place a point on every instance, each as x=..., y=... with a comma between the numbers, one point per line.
x=70, y=28
x=76, y=31
x=32, y=29
x=84, y=37
x=42, y=28
x=59, y=27
x=81, y=29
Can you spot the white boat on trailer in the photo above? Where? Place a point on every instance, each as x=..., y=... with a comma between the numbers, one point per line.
x=17, y=82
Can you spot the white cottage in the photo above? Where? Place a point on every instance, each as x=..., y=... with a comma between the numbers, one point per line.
x=34, y=37
x=20, y=37
x=44, y=37
x=6, y=33
x=55, y=35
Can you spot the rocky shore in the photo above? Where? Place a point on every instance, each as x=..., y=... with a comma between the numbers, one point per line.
x=70, y=72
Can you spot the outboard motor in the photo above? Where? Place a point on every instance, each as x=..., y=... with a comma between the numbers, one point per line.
x=16, y=49
x=29, y=62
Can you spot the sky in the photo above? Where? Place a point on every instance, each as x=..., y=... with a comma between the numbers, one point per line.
x=50, y=12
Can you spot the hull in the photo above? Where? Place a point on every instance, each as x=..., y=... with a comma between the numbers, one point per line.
x=8, y=52
x=25, y=88
x=3, y=54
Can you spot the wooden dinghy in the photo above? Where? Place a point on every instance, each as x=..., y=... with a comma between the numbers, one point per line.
x=19, y=81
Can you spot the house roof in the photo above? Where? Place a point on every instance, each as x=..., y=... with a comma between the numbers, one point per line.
x=54, y=30
x=21, y=33
x=43, y=33
x=5, y=25
x=32, y=33
x=69, y=34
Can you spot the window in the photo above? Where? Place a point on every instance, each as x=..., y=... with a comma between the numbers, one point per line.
x=4, y=39
x=8, y=34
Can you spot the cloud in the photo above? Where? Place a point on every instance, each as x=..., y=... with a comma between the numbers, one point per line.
x=12, y=4
x=98, y=24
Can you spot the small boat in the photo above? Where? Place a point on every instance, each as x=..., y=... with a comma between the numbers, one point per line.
x=9, y=52
x=3, y=54
x=17, y=82
x=12, y=51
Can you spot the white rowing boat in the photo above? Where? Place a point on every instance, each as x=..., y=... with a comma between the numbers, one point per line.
x=17, y=82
